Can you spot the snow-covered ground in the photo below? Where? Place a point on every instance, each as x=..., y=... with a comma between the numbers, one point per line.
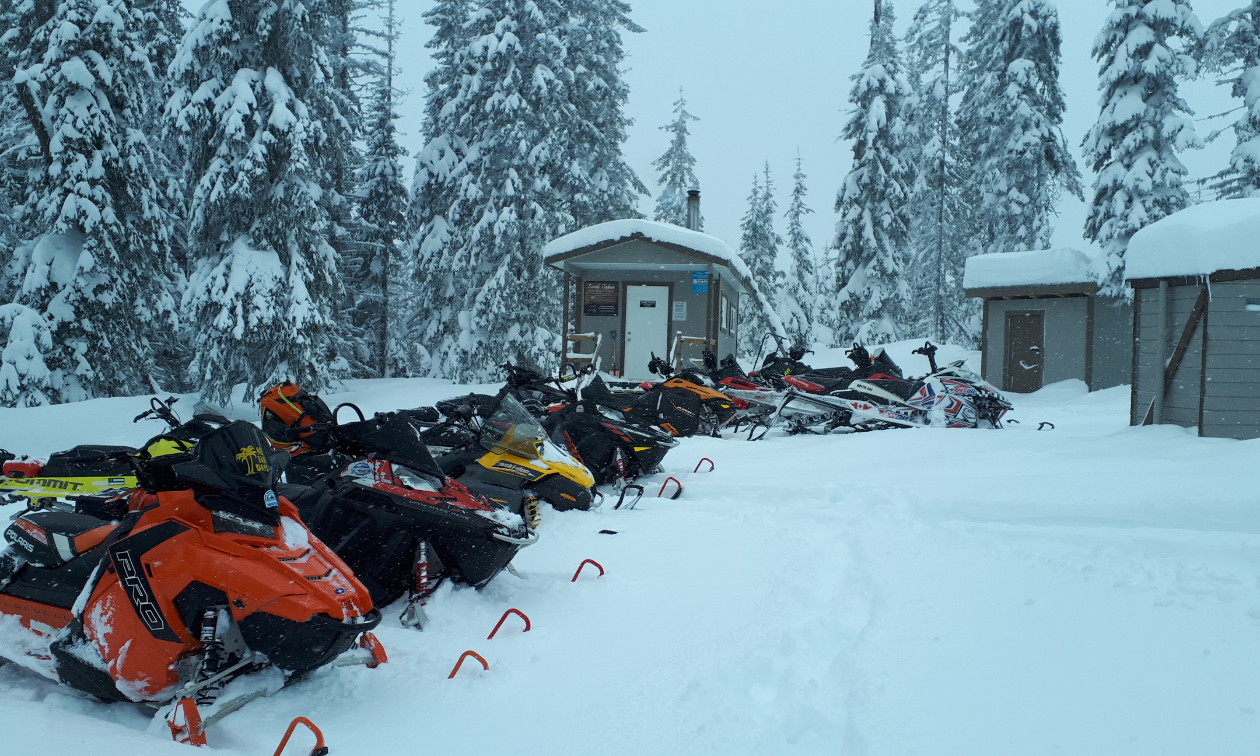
x=1092, y=589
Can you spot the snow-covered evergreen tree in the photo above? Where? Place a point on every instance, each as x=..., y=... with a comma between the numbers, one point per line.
x=599, y=185
x=873, y=230
x=677, y=170
x=797, y=298
x=1231, y=47
x=940, y=218
x=1142, y=126
x=513, y=120
x=1012, y=114
x=382, y=210
x=759, y=247
x=255, y=93
x=95, y=276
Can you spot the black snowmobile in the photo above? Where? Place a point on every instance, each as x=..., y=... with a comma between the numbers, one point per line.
x=391, y=512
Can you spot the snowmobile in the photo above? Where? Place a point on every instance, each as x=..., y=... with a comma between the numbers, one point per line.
x=532, y=468
x=615, y=448
x=392, y=513
x=202, y=584
x=873, y=398
x=682, y=405
x=101, y=471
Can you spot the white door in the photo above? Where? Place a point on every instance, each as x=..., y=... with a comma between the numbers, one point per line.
x=647, y=328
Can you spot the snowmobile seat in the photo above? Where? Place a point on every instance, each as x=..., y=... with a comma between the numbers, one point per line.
x=89, y=461
x=51, y=539
x=831, y=372
x=903, y=389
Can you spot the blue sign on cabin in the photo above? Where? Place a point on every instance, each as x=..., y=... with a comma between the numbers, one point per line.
x=699, y=282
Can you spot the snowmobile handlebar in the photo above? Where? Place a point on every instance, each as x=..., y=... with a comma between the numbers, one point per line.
x=928, y=350
x=160, y=409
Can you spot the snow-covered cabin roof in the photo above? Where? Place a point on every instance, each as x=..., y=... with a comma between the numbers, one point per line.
x=1197, y=241
x=704, y=248
x=608, y=234
x=1048, y=268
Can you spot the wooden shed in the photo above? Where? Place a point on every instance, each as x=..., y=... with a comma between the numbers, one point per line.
x=1196, y=290
x=1044, y=321
x=634, y=288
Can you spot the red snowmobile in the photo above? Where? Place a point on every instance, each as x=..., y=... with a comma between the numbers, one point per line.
x=202, y=584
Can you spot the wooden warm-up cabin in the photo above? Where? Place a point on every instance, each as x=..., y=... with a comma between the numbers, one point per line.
x=634, y=288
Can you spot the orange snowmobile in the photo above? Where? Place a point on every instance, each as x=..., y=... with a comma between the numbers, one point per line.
x=202, y=584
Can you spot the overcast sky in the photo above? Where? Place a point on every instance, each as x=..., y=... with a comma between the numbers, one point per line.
x=770, y=78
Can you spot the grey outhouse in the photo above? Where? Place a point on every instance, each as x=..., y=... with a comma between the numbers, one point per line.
x=1044, y=321
x=1196, y=290
x=634, y=288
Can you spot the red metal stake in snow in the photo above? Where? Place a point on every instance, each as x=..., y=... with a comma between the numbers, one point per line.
x=677, y=493
x=369, y=641
x=319, y=750
x=191, y=731
x=518, y=613
x=585, y=562
x=712, y=466
x=484, y=664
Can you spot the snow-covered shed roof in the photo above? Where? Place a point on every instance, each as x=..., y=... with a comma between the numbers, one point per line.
x=1041, y=268
x=1198, y=241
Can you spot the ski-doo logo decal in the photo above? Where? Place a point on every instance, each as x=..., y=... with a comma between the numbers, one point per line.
x=126, y=558
x=515, y=469
x=254, y=459
x=360, y=470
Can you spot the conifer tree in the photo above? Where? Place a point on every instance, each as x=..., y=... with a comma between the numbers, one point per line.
x=939, y=225
x=1231, y=47
x=511, y=162
x=95, y=275
x=1012, y=114
x=382, y=210
x=1142, y=126
x=759, y=247
x=872, y=233
x=677, y=170
x=254, y=95
x=599, y=185
x=798, y=291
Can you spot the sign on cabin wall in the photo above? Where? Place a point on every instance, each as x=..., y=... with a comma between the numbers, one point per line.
x=601, y=298
x=680, y=312
x=699, y=282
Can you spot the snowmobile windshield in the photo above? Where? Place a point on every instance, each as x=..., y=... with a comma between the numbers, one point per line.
x=398, y=440
x=513, y=429
x=237, y=461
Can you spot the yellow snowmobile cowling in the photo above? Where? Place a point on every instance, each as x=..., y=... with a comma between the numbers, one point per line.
x=533, y=468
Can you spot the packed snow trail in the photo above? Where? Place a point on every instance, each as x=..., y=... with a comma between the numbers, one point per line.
x=1092, y=589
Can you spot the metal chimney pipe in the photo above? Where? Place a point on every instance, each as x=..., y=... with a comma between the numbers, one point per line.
x=693, y=209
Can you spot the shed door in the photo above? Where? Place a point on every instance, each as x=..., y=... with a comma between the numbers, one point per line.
x=1025, y=351
x=647, y=328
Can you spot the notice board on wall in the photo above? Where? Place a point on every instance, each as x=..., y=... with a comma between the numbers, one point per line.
x=600, y=298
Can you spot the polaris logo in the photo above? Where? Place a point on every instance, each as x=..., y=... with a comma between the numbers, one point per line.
x=138, y=592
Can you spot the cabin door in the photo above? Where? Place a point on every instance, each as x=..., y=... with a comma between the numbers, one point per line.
x=647, y=329
x=1025, y=351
